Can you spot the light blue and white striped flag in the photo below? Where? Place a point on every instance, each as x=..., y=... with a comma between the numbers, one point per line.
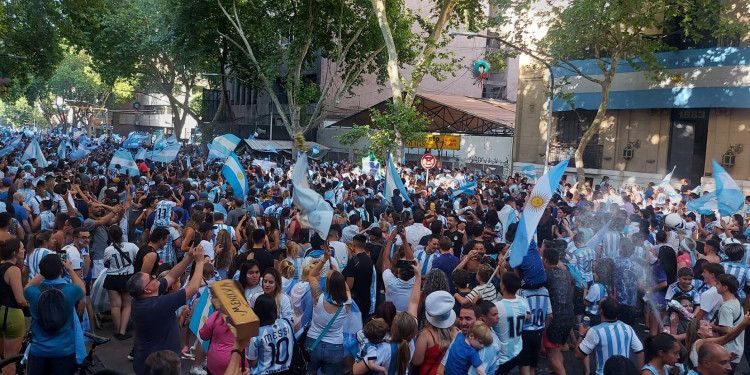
x=126, y=162
x=465, y=189
x=159, y=142
x=315, y=150
x=188, y=163
x=225, y=144
x=64, y=149
x=728, y=194
x=99, y=297
x=203, y=309
x=271, y=148
x=529, y=171
x=33, y=151
x=214, y=153
x=79, y=153
x=135, y=138
x=142, y=154
x=234, y=174
x=393, y=181
x=533, y=210
x=705, y=205
x=172, y=139
x=318, y=212
x=167, y=154
x=673, y=195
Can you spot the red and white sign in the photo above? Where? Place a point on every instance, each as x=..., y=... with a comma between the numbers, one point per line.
x=428, y=161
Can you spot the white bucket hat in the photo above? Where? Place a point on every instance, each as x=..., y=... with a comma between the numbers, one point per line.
x=439, y=309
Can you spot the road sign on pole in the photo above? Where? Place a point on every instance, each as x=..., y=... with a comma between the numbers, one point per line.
x=428, y=161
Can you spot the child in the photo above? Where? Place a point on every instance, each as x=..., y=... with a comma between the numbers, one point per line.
x=734, y=266
x=684, y=284
x=602, y=287
x=461, y=280
x=374, y=333
x=677, y=322
x=464, y=352
x=485, y=290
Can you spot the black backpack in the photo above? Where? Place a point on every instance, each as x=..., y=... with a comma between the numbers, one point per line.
x=52, y=308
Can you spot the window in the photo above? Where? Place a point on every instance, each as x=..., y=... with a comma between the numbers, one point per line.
x=572, y=124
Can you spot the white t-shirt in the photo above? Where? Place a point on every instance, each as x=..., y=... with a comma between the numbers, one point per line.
x=730, y=315
x=415, y=232
x=75, y=256
x=340, y=252
x=119, y=265
x=397, y=291
x=208, y=248
x=710, y=302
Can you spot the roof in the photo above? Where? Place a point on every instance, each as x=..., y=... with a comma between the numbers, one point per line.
x=264, y=145
x=455, y=114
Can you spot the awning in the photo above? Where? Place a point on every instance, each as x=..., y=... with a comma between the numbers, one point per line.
x=264, y=145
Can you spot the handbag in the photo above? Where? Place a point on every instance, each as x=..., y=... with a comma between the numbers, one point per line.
x=300, y=354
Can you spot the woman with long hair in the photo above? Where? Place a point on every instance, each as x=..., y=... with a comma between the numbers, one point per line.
x=224, y=253
x=12, y=300
x=271, y=225
x=437, y=335
x=301, y=296
x=249, y=278
x=271, y=279
x=293, y=255
x=271, y=351
x=661, y=350
x=700, y=332
x=191, y=228
x=287, y=271
x=325, y=338
x=434, y=280
x=118, y=258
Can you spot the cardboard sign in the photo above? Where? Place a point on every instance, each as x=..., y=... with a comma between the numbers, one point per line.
x=235, y=307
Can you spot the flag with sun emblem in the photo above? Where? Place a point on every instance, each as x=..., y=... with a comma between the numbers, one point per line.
x=125, y=161
x=234, y=174
x=533, y=210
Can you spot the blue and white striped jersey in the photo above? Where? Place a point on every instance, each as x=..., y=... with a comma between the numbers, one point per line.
x=611, y=244
x=512, y=314
x=741, y=272
x=596, y=293
x=425, y=260
x=272, y=348
x=539, y=307
x=583, y=258
x=674, y=289
x=32, y=261
x=608, y=339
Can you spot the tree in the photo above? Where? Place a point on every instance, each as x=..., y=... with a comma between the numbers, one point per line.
x=619, y=32
x=136, y=40
x=281, y=41
x=18, y=114
x=432, y=34
x=30, y=35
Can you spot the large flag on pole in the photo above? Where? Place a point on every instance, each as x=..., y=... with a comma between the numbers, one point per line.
x=80, y=153
x=728, y=194
x=33, y=151
x=234, y=174
x=126, y=162
x=529, y=171
x=705, y=205
x=319, y=213
x=393, y=181
x=597, y=238
x=214, y=153
x=225, y=144
x=142, y=154
x=134, y=139
x=159, y=142
x=533, y=210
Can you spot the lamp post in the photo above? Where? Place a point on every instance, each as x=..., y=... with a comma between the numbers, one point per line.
x=551, y=83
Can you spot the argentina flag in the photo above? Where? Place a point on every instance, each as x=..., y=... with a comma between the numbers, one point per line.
x=80, y=153
x=597, y=239
x=214, y=153
x=393, y=181
x=465, y=189
x=704, y=205
x=352, y=325
x=125, y=160
x=673, y=195
x=159, y=142
x=33, y=151
x=533, y=210
x=141, y=154
x=167, y=154
x=317, y=211
x=225, y=144
x=728, y=194
x=234, y=174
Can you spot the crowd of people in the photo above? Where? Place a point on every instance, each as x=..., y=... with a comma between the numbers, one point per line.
x=425, y=272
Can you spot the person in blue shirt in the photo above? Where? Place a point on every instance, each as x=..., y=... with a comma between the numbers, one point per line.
x=53, y=352
x=662, y=351
x=271, y=351
x=464, y=352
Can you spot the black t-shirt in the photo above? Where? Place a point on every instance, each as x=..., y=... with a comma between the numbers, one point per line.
x=457, y=239
x=360, y=268
x=142, y=252
x=264, y=259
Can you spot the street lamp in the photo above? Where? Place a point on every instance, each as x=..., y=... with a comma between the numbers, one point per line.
x=551, y=83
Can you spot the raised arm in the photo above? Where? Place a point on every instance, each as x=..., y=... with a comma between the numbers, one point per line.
x=416, y=292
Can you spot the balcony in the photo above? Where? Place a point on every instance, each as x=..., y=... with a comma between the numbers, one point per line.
x=592, y=155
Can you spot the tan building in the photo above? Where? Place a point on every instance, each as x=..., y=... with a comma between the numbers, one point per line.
x=699, y=112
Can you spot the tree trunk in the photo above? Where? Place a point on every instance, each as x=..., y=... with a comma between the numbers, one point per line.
x=593, y=129
x=394, y=77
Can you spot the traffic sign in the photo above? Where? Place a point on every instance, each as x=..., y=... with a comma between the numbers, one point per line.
x=428, y=161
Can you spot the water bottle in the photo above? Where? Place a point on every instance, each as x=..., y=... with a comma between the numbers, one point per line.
x=586, y=322
x=676, y=305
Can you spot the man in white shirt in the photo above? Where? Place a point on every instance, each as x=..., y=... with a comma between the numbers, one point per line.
x=338, y=248
x=711, y=300
x=354, y=228
x=416, y=231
